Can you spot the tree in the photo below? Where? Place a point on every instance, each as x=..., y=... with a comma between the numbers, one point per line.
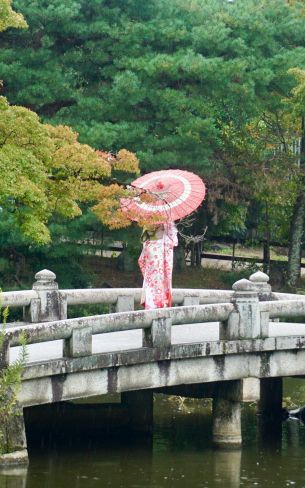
x=160, y=80
x=296, y=104
x=47, y=171
x=164, y=80
x=10, y=18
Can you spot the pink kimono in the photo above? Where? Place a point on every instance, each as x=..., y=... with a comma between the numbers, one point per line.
x=156, y=264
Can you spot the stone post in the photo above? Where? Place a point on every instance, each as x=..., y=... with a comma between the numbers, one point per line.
x=79, y=344
x=50, y=304
x=271, y=389
x=260, y=280
x=251, y=386
x=159, y=334
x=227, y=414
x=244, y=322
x=125, y=303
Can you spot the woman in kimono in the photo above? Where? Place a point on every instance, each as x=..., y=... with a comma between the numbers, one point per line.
x=156, y=264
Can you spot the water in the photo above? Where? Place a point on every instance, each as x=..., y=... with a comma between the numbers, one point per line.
x=179, y=454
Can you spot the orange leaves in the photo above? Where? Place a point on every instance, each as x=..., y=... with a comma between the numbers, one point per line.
x=47, y=171
x=72, y=159
x=113, y=209
x=109, y=210
x=109, y=207
x=127, y=162
x=77, y=172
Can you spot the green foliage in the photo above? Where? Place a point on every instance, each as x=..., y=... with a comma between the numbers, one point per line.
x=154, y=79
x=243, y=270
x=47, y=172
x=164, y=79
x=200, y=85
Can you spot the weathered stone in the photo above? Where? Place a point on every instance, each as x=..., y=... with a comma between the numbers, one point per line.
x=191, y=300
x=264, y=321
x=50, y=304
x=45, y=280
x=5, y=353
x=159, y=335
x=16, y=458
x=125, y=303
x=260, y=280
x=245, y=299
x=251, y=389
x=244, y=286
x=15, y=432
x=80, y=343
x=227, y=415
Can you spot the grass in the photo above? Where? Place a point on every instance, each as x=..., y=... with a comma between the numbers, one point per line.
x=104, y=272
x=277, y=253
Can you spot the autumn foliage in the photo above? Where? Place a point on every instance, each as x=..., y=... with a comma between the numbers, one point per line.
x=46, y=171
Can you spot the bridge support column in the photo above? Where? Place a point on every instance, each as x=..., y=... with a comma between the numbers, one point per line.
x=15, y=432
x=227, y=414
x=12, y=431
x=270, y=412
x=271, y=393
x=140, y=409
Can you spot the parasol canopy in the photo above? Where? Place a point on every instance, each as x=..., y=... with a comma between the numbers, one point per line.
x=173, y=194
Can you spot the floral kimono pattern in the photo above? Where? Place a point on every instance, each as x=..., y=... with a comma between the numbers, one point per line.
x=156, y=264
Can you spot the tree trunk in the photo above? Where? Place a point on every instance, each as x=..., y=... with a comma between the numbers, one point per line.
x=198, y=254
x=233, y=256
x=295, y=245
x=193, y=254
x=297, y=226
x=266, y=243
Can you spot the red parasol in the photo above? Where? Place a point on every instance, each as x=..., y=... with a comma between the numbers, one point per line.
x=174, y=194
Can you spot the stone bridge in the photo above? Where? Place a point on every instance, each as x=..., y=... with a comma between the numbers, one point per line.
x=167, y=349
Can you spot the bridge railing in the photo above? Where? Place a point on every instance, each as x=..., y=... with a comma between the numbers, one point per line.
x=119, y=322
x=244, y=314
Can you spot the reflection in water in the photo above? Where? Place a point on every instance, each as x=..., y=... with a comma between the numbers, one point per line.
x=227, y=467
x=180, y=455
x=13, y=477
x=269, y=432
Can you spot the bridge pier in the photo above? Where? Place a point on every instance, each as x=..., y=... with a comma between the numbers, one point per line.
x=15, y=432
x=14, y=440
x=227, y=414
x=271, y=393
x=140, y=409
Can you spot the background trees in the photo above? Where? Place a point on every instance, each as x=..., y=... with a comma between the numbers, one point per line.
x=47, y=173
x=200, y=85
x=160, y=79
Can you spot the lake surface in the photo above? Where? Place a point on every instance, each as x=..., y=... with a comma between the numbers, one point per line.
x=178, y=454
